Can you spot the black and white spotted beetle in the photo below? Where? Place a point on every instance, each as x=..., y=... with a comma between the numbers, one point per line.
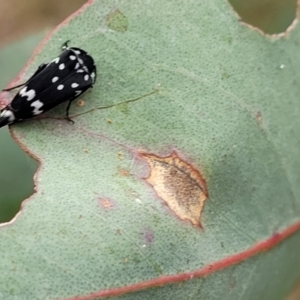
x=63, y=79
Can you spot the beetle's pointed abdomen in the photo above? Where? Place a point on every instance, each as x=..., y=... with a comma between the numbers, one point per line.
x=6, y=117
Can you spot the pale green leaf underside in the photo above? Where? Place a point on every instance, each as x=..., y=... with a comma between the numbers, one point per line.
x=214, y=78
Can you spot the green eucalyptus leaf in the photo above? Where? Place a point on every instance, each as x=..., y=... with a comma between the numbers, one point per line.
x=177, y=78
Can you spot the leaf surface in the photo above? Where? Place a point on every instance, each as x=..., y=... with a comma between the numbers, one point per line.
x=192, y=79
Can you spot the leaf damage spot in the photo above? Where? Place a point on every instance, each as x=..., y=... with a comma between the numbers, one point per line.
x=117, y=21
x=179, y=184
x=120, y=155
x=106, y=203
x=259, y=117
x=123, y=172
x=148, y=236
x=80, y=103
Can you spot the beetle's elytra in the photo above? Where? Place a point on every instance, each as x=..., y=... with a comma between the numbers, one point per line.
x=63, y=79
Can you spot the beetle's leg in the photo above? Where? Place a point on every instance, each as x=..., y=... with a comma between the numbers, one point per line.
x=67, y=112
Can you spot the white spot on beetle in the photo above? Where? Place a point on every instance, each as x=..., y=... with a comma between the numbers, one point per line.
x=80, y=60
x=80, y=71
x=72, y=57
x=54, y=79
x=77, y=52
x=37, y=105
x=77, y=93
x=8, y=114
x=77, y=66
x=29, y=94
x=86, y=77
x=60, y=87
x=74, y=85
x=56, y=60
x=61, y=66
x=23, y=91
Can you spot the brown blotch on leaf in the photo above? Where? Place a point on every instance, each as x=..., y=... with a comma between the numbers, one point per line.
x=106, y=203
x=179, y=184
x=123, y=172
x=120, y=155
x=259, y=117
x=80, y=103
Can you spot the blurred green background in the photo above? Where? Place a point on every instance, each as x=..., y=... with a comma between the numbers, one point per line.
x=23, y=26
x=270, y=16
